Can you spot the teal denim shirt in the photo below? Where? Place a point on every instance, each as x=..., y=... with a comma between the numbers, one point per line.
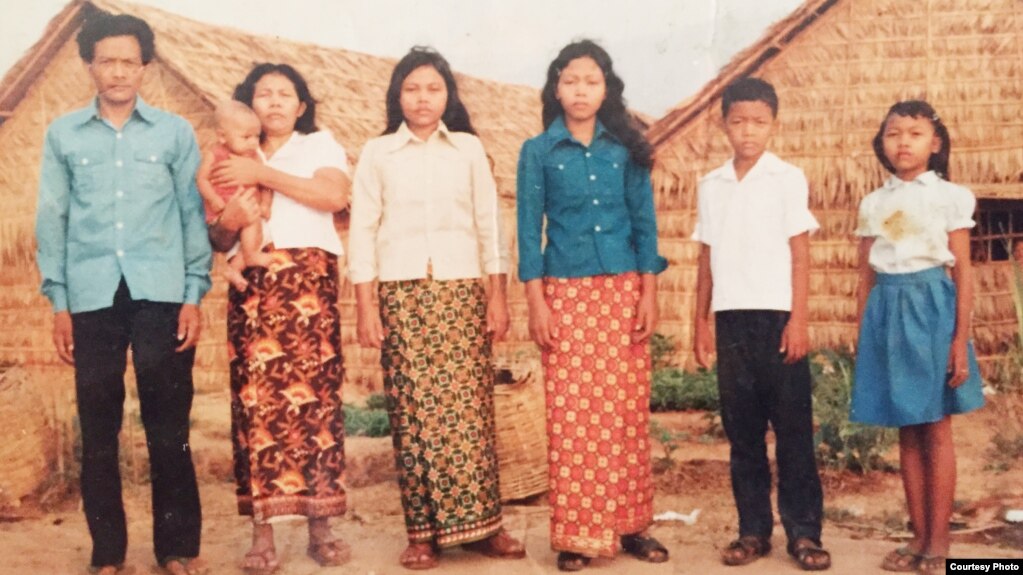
x=598, y=204
x=121, y=203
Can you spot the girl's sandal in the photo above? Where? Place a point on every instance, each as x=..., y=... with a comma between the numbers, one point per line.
x=931, y=565
x=745, y=550
x=418, y=556
x=568, y=561
x=644, y=548
x=809, y=554
x=901, y=560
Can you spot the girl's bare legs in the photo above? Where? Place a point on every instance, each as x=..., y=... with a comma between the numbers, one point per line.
x=912, y=461
x=940, y=484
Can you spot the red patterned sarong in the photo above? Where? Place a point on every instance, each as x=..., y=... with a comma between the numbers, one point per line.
x=286, y=420
x=598, y=412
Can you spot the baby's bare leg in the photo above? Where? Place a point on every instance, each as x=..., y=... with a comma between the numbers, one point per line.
x=252, y=240
x=233, y=273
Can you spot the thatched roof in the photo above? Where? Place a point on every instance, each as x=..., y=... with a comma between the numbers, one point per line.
x=350, y=85
x=837, y=66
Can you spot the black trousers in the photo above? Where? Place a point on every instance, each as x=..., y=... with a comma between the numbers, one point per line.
x=101, y=339
x=757, y=388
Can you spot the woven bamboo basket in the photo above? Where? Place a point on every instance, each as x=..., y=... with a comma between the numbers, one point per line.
x=521, y=437
x=29, y=448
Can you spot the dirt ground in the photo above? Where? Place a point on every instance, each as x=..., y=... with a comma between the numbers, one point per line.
x=865, y=513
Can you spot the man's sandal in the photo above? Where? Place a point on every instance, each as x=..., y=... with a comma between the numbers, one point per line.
x=745, y=550
x=901, y=560
x=809, y=554
x=931, y=565
x=644, y=548
x=568, y=561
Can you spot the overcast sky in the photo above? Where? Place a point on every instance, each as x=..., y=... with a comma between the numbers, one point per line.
x=663, y=49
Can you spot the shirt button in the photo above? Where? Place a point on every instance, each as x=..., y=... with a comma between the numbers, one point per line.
x=561, y=166
x=120, y=225
x=596, y=228
x=120, y=253
x=118, y=163
x=85, y=161
x=153, y=159
x=596, y=202
x=119, y=135
x=615, y=165
x=593, y=177
x=587, y=154
x=119, y=194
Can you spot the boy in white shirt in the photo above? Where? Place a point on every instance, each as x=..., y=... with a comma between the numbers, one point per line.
x=754, y=225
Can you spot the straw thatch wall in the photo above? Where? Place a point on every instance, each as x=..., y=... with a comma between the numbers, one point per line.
x=838, y=65
x=196, y=65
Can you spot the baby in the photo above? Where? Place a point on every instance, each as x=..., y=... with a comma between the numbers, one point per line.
x=238, y=131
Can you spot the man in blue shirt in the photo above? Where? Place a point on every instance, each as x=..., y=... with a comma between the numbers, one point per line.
x=125, y=259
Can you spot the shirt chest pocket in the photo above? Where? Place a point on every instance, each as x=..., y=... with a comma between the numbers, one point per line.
x=87, y=170
x=151, y=169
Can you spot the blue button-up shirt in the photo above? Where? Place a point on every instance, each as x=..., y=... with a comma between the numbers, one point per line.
x=119, y=203
x=598, y=203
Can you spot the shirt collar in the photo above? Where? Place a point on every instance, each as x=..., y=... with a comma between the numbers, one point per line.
x=925, y=179
x=768, y=164
x=557, y=133
x=143, y=110
x=403, y=135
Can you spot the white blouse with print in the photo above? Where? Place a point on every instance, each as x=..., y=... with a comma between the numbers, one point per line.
x=910, y=222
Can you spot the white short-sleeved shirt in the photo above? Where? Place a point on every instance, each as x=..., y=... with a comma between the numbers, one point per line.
x=294, y=225
x=747, y=225
x=910, y=222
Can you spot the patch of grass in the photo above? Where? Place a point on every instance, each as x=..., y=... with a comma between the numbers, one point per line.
x=675, y=390
x=841, y=443
x=662, y=351
x=365, y=422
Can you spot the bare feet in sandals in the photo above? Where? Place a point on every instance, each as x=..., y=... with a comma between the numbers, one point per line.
x=261, y=559
x=185, y=566
x=418, y=556
x=324, y=547
x=745, y=550
x=809, y=554
x=500, y=545
x=644, y=547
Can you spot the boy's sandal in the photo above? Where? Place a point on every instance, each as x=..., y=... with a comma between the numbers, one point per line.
x=500, y=545
x=121, y=569
x=901, y=560
x=644, y=548
x=568, y=561
x=260, y=562
x=329, y=553
x=418, y=556
x=745, y=550
x=809, y=554
x=931, y=565
x=183, y=565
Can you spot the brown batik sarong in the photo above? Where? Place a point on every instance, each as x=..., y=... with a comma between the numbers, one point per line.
x=598, y=412
x=439, y=383
x=286, y=420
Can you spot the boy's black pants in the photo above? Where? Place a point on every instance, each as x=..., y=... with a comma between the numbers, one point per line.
x=164, y=378
x=756, y=387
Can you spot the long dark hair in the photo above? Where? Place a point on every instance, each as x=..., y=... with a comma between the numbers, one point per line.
x=938, y=162
x=612, y=112
x=306, y=123
x=455, y=116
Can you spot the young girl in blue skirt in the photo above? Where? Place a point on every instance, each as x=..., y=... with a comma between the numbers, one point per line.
x=915, y=365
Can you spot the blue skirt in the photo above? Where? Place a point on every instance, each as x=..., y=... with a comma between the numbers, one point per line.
x=902, y=355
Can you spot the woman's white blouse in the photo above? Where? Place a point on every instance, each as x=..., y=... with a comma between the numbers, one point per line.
x=294, y=225
x=910, y=222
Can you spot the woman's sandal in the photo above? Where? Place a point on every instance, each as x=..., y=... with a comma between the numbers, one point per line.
x=568, y=561
x=901, y=560
x=644, y=548
x=931, y=565
x=266, y=559
x=329, y=553
x=418, y=556
x=745, y=550
x=500, y=545
x=809, y=554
